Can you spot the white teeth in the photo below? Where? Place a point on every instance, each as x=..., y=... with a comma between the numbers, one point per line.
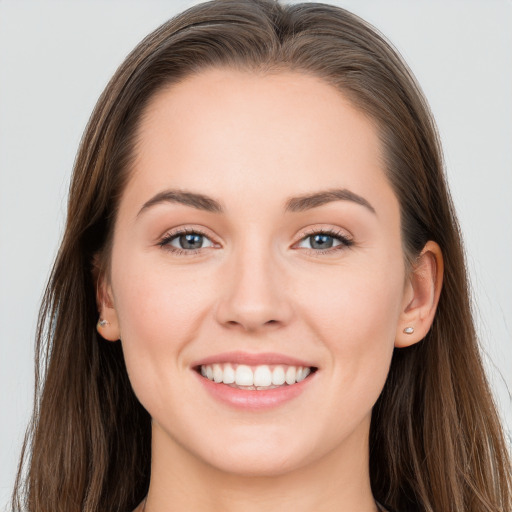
x=258, y=377
x=229, y=374
x=217, y=373
x=262, y=376
x=302, y=374
x=290, y=375
x=244, y=376
x=278, y=376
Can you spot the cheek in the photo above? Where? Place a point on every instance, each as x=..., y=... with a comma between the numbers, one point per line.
x=355, y=319
x=357, y=306
x=159, y=312
x=355, y=316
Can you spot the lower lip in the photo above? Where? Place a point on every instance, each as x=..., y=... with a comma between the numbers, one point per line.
x=253, y=399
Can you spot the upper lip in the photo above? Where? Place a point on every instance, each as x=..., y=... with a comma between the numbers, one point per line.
x=252, y=359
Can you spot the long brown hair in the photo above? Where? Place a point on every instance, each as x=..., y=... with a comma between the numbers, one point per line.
x=435, y=440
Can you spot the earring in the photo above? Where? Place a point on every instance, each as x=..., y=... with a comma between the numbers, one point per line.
x=409, y=330
x=102, y=323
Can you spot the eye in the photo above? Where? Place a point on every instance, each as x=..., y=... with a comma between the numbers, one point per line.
x=191, y=241
x=185, y=241
x=325, y=241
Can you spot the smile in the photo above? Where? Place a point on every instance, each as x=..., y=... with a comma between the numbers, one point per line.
x=260, y=377
x=254, y=382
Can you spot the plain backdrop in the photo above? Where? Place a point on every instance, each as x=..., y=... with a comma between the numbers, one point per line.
x=55, y=59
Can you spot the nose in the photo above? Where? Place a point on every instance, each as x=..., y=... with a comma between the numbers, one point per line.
x=254, y=294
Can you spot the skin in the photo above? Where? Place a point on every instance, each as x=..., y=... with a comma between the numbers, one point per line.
x=252, y=141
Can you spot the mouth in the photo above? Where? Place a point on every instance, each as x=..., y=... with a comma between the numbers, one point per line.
x=255, y=377
x=255, y=381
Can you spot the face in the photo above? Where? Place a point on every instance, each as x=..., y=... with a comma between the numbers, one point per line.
x=258, y=235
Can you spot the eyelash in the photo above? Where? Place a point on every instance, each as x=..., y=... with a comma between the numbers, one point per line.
x=345, y=241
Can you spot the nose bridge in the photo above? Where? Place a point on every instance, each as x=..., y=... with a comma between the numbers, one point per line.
x=254, y=294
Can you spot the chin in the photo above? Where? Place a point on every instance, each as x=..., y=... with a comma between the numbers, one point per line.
x=269, y=457
x=248, y=464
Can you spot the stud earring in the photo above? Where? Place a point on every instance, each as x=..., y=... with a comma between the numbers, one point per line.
x=102, y=323
x=409, y=330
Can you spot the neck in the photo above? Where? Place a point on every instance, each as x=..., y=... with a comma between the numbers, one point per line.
x=181, y=482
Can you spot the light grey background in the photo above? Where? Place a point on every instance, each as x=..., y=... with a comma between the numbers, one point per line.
x=55, y=59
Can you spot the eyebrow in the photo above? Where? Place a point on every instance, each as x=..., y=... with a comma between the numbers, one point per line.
x=309, y=201
x=293, y=204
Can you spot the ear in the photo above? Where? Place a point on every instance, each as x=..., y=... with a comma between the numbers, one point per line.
x=108, y=324
x=421, y=296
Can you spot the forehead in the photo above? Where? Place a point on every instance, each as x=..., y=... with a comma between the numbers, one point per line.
x=245, y=136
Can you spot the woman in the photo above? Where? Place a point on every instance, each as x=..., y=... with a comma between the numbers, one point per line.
x=260, y=298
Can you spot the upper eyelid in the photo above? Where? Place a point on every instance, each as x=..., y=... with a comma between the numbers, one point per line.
x=331, y=230
x=335, y=232
x=171, y=233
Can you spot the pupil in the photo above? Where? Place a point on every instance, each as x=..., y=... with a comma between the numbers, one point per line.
x=191, y=241
x=321, y=242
